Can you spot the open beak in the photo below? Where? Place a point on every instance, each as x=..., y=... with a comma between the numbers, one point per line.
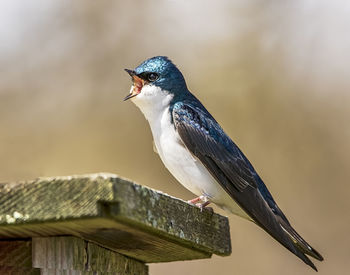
x=137, y=84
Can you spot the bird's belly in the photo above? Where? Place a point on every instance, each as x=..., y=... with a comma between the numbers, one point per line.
x=186, y=168
x=191, y=173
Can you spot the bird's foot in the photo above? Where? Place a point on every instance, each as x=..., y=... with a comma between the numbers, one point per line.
x=201, y=205
x=204, y=205
x=194, y=201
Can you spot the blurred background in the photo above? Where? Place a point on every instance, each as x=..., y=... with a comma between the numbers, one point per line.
x=275, y=74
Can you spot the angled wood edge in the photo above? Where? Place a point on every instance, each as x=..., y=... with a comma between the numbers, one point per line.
x=131, y=219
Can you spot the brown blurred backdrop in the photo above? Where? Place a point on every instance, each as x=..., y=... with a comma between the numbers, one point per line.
x=275, y=74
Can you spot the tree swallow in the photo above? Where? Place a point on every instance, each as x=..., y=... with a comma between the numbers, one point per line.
x=202, y=157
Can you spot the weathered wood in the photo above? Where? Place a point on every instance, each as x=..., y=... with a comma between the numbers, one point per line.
x=59, y=253
x=46, y=271
x=12, y=270
x=71, y=255
x=16, y=257
x=16, y=253
x=64, y=255
x=104, y=260
x=115, y=213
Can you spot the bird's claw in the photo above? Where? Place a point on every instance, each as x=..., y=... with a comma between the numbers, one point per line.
x=202, y=205
x=194, y=201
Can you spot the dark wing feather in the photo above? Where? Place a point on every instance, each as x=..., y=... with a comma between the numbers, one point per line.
x=205, y=139
x=195, y=132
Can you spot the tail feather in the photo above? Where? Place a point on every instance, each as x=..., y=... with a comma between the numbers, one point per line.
x=296, y=244
x=300, y=243
x=304, y=258
x=293, y=245
x=290, y=240
x=277, y=225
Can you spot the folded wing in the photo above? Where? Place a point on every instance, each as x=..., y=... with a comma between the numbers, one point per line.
x=206, y=140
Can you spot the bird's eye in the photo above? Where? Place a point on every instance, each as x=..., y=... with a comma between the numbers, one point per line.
x=152, y=77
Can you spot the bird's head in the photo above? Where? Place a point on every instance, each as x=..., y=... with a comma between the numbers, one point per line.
x=154, y=78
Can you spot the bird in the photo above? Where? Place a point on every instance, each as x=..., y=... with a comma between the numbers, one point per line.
x=202, y=157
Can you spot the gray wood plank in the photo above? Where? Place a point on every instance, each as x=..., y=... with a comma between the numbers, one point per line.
x=115, y=213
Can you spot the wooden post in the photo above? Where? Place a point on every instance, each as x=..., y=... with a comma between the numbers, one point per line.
x=16, y=257
x=100, y=224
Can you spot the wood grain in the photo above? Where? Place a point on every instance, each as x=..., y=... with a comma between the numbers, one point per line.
x=74, y=255
x=115, y=213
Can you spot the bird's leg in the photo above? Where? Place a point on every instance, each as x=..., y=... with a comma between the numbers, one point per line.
x=204, y=204
x=205, y=200
x=194, y=201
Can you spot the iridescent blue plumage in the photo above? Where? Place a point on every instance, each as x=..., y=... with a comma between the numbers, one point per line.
x=208, y=143
x=171, y=79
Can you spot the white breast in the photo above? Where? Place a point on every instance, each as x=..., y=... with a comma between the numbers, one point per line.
x=187, y=169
